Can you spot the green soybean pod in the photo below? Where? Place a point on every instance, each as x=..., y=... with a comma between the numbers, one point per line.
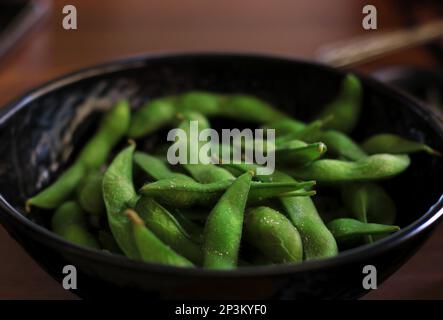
x=90, y=194
x=69, y=222
x=285, y=126
x=119, y=194
x=112, y=128
x=290, y=155
x=57, y=193
x=153, y=116
x=340, y=145
x=208, y=173
x=201, y=172
x=310, y=130
x=186, y=136
x=151, y=248
x=203, y=102
x=184, y=120
x=223, y=229
x=345, y=229
x=164, y=225
x=317, y=240
x=181, y=193
x=375, y=167
x=368, y=202
x=346, y=108
x=155, y=167
x=249, y=108
x=187, y=221
x=273, y=234
x=391, y=143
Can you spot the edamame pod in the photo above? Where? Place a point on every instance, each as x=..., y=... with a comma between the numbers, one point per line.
x=310, y=130
x=186, y=220
x=184, y=194
x=346, y=229
x=153, y=116
x=273, y=234
x=299, y=156
x=156, y=168
x=167, y=229
x=317, y=240
x=90, y=194
x=375, y=167
x=368, y=202
x=249, y=108
x=119, y=194
x=203, y=102
x=150, y=248
x=223, y=229
x=340, y=145
x=54, y=195
x=204, y=173
x=208, y=173
x=285, y=126
x=69, y=222
x=112, y=128
x=391, y=143
x=345, y=109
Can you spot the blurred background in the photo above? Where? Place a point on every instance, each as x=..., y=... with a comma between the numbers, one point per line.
x=35, y=48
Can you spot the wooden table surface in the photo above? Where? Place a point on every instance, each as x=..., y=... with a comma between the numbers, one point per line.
x=112, y=29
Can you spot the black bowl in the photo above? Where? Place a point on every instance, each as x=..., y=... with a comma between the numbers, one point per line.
x=42, y=131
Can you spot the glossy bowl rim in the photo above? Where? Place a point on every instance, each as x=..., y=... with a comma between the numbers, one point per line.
x=46, y=237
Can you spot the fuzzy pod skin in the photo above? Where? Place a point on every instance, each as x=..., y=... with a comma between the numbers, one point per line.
x=150, y=247
x=187, y=220
x=273, y=234
x=391, y=143
x=346, y=108
x=346, y=229
x=340, y=145
x=69, y=222
x=58, y=192
x=285, y=127
x=306, y=133
x=249, y=108
x=317, y=240
x=208, y=173
x=153, y=116
x=113, y=127
x=186, y=137
x=152, y=166
x=203, y=102
x=90, y=194
x=119, y=194
x=156, y=168
x=375, y=167
x=164, y=225
x=288, y=155
x=223, y=229
x=181, y=193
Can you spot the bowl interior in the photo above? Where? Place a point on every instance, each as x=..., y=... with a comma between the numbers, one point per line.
x=44, y=131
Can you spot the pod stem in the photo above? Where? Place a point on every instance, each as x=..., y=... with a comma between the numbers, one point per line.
x=433, y=151
x=299, y=194
x=28, y=205
x=134, y=217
